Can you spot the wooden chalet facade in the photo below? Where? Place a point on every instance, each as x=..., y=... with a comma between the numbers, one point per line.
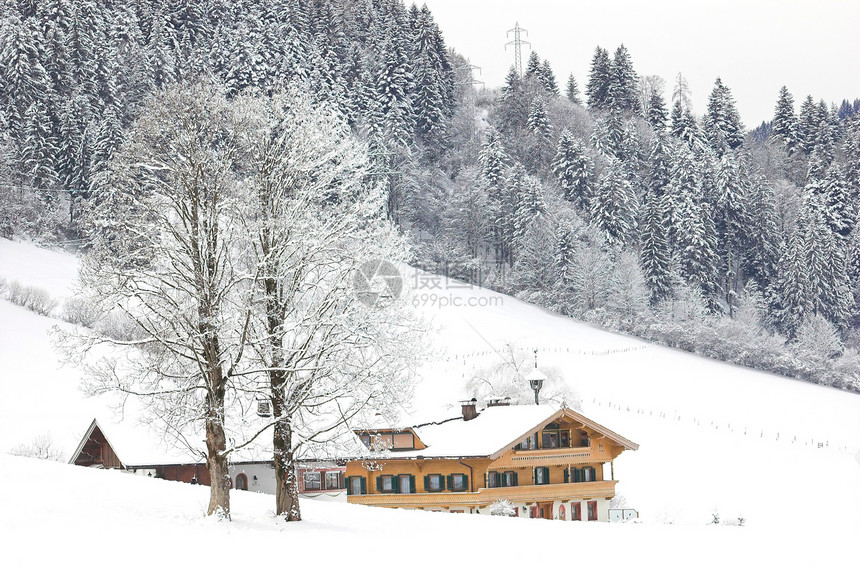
x=315, y=477
x=548, y=464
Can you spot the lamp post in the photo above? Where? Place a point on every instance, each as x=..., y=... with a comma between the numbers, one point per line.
x=536, y=379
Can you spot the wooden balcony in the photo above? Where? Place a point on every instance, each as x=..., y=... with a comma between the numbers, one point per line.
x=550, y=457
x=486, y=496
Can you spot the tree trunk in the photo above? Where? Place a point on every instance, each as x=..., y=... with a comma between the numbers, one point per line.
x=286, y=485
x=216, y=463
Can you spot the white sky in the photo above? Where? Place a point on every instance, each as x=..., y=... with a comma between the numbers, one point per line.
x=756, y=46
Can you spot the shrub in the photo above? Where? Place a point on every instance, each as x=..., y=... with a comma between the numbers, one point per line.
x=42, y=447
x=502, y=507
x=31, y=297
x=81, y=311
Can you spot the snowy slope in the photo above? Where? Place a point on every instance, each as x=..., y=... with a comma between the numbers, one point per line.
x=58, y=515
x=712, y=436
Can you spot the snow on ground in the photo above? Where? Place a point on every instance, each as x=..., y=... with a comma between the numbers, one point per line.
x=54, y=271
x=783, y=454
x=57, y=515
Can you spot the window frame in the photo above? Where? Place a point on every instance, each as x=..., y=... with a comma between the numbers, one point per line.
x=305, y=480
x=464, y=482
x=428, y=486
x=592, y=507
x=338, y=476
x=576, y=511
x=239, y=477
x=362, y=485
x=544, y=479
x=382, y=479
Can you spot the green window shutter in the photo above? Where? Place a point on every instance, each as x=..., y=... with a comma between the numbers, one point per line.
x=566, y=475
x=546, y=474
x=379, y=483
x=448, y=484
x=516, y=482
x=395, y=483
x=349, y=485
x=412, y=483
x=426, y=482
x=466, y=486
x=363, y=485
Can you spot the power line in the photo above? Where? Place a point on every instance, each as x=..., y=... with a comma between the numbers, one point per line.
x=517, y=42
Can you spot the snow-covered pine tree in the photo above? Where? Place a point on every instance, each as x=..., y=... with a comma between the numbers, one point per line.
x=571, y=91
x=614, y=206
x=655, y=254
x=807, y=125
x=40, y=151
x=761, y=253
x=621, y=94
x=599, y=79
x=723, y=127
x=657, y=115
x=785, y=120
x=572, y=169
x=547, y=79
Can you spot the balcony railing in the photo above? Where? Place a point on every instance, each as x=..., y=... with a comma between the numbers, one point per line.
x=486, y=496
x=550, y=456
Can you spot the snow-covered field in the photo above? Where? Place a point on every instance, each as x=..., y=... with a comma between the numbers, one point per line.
x=782, y=454
x=58, y=515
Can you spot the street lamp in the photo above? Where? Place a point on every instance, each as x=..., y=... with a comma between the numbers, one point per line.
x=536, y=379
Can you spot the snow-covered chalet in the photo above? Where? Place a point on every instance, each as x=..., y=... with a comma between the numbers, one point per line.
x=548, y=463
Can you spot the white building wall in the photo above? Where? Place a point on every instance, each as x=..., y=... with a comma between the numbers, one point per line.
x=264, y=473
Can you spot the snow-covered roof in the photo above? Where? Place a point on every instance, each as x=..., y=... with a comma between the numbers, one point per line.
x=494, y=431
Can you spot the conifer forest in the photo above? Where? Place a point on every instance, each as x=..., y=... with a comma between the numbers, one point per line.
x=606, y=198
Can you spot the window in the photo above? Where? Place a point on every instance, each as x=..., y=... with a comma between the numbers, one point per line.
x=333, y=480
x=575, y=512
x=588, y=474
x=564, y=439
x=406, y=484
x=584, y=441
x=530, y=443
x=592, y=511
x=381, y=442
x=365, y=440
x=356, y=485
x=549, y=439
x=404, y=441
x=312, y=480
x=241, y=482
x=386, y=483
x=509, y=478
x=434, y=483
x=562, y=513
x=542, y=475
x=458, y=482
x=493, y=480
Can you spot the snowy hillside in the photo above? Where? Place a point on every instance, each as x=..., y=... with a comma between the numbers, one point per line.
x=783, y=454
x=140, y=522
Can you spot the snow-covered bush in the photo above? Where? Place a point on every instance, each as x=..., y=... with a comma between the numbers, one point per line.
x=31, y=297
x=119, y=326
x=502, y=507
x=81, y=311
x=41, y=447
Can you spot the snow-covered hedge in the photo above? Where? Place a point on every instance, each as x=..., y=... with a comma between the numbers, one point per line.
x=31, y=297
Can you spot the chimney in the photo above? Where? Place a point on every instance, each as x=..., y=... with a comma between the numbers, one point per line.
x=470, y=410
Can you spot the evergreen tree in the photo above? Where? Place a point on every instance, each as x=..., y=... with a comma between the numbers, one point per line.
x=533, y=66
x=513, y=112
x=547, y=79
x=807, y=125
x=572, y=169
x=538, y=121
x=655, y=252
x=657, y=115
x=40, y=149
x=23, y=79
x=621, y=94
x=761, y=253
x=571, y=91
x=784, y=119
x=599, y=79
x=723, y=126
x=614, y=206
